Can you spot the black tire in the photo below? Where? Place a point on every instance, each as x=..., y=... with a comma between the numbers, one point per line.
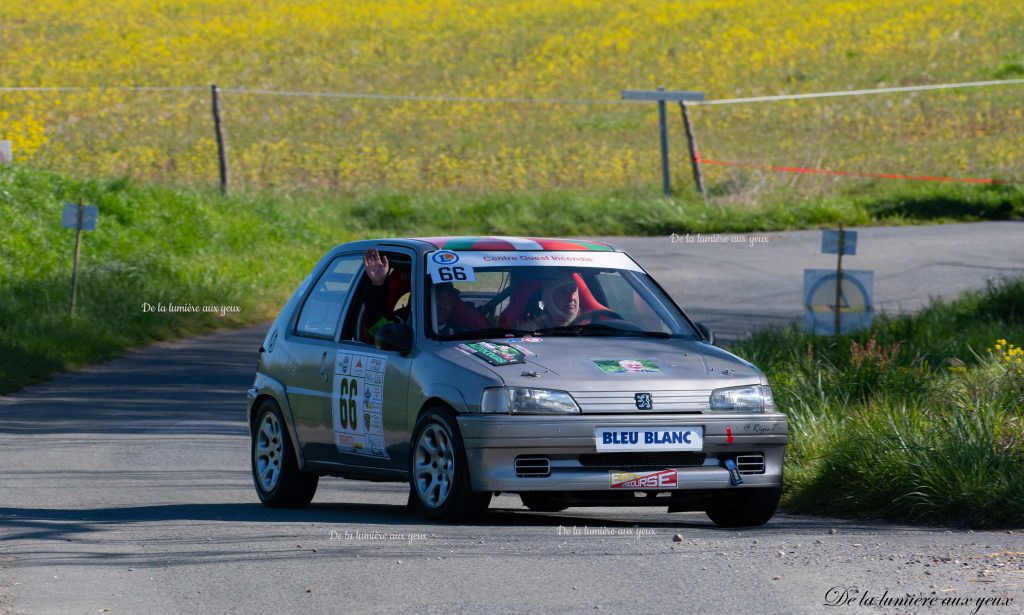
x=744, y=507
x=275, y=467
x=439, y=483
x=542, y=502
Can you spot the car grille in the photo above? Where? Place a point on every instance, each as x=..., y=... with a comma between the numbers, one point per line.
x=642, y=460
x=533, y=466
x=750, y=464
x=617, y=402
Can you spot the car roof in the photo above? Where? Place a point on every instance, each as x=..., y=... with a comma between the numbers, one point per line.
x=490, y=243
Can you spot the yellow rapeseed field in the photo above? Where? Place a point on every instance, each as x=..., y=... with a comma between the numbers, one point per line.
x=582, y=50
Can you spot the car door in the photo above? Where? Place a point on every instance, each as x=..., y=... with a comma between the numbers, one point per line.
x=370, y=386
x=312, y=346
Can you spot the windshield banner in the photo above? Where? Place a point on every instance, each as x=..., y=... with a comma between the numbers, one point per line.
x=449, y=266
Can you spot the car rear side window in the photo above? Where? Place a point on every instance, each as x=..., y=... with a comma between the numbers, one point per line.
x=321, y=313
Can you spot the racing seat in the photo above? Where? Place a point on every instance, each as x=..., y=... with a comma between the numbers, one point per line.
x=465, y=316
x=527, y=291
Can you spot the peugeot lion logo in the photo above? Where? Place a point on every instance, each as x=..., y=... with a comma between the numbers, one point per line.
x=644, y=401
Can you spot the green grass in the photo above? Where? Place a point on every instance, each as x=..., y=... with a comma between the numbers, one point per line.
x=915, y=419
x=162, y=244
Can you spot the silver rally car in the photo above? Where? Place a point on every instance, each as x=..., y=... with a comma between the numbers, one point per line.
x=466, y=366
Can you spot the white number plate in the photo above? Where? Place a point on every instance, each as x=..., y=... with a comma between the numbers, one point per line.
x=610, y=439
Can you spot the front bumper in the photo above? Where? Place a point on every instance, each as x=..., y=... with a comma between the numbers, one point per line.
x=493, y=442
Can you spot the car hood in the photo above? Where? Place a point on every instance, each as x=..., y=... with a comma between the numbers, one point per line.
x=604, y=374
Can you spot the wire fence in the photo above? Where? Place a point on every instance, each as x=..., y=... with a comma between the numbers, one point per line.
x=349, y=141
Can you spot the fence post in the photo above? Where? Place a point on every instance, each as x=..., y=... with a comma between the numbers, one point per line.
x=218, y=127
x=666, y=183
x=662, y=96
x=691, y=144
x=839, y=278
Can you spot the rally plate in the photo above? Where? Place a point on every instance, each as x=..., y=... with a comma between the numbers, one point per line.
x=611, y=439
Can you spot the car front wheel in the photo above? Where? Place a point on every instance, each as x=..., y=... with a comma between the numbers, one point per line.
x=744, y=507
x=439, y=484
x=275, y=469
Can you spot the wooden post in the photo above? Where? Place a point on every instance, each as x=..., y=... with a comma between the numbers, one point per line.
x=839, y=274
x=78, y=247
x=218, y=127
x=691, y=144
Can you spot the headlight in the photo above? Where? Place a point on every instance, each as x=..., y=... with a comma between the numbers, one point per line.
x=519, y=400
x=755, y=398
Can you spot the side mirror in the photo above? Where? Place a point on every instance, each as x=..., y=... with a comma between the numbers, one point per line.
x=394, y=336
x=709, y=335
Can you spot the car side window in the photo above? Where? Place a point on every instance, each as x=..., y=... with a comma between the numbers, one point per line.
x=389, y=302
x=321, y=313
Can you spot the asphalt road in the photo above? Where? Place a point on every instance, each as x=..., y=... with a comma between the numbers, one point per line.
x=125, y=488
x=737, y=286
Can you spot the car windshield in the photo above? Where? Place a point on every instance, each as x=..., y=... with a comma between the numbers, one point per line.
x=478, y=295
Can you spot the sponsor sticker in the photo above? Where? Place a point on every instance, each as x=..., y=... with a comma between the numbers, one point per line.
x=659, y=479
x=494, y=353
x=357, y=404
x=523, y=349
x=627, y=366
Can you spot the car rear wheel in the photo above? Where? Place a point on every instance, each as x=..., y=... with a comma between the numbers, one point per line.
x=744, y=507
x=542, y=502
x=275, y=469
x=439, y=484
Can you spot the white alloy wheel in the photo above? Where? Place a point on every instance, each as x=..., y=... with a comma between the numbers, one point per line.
x=434, y=466
x=268, y=452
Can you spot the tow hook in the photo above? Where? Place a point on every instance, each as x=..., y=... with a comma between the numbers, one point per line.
x=734, y=473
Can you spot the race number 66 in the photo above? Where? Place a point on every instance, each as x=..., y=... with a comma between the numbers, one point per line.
x=447, y=274
x=349, y=394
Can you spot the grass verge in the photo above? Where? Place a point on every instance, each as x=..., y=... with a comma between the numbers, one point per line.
x=161, y=244
x=920, y=418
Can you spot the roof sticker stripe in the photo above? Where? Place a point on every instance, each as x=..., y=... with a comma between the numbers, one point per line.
x=491, y=243
x=504, y=244
x=572, y=244
x=521, y=243
x=462, y=243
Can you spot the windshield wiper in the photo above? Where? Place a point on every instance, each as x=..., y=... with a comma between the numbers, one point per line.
x=600, y=329
x=483, y=334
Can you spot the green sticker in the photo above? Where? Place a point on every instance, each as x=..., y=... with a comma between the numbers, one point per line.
x=627, y=366
x=495, y=354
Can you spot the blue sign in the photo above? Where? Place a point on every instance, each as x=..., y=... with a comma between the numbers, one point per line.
x=855, y=300
x=830, y=242
x=70, y=217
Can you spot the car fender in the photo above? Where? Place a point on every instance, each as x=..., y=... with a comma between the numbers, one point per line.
x=447, y=393
x=275, y=389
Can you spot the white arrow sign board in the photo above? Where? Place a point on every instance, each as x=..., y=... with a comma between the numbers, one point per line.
x=855, y=300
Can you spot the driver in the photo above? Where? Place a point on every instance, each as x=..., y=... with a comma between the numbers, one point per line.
x=561, y=298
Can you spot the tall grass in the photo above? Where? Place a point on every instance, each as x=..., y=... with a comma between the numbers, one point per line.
x=918, y=418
